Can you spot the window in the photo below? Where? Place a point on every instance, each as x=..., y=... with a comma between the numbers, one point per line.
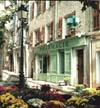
x=39, y=7
x=70, y=21
x=50, y=31
x=41, y=66
x=59, y=1
x=32, y=10
x=46, y=63
x=60, y=28
x=31, y=39
x=61, y=61
x=44, y=5
x=37, y=34
x=96, y=17
x=42, y=34
x=52, y=2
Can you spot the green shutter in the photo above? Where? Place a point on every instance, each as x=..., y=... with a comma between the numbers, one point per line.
x=53, y=67
x=68, y=62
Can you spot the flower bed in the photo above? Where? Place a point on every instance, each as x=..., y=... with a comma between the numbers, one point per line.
x=7, y=100
x=45, y=97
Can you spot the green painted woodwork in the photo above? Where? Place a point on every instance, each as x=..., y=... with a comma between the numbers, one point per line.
x=53, y=49
x=60, y=77
x=61, y=61
x=42, y=76
x=68, y=62
x=55, y=77
x=61, y=44
x=52, y=77
x=53, y=59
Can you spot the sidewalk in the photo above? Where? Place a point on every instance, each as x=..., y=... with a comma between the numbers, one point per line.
x=10, y=77
x=65, y=89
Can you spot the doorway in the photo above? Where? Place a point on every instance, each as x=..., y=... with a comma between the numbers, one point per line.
x=61, y=61
x=80, y=65
x=46, y=63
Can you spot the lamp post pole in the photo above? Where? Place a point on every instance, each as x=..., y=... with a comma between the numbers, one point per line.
x=22, y=10
x=21, y=73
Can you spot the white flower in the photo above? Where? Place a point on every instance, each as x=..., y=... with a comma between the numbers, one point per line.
x=35, y=102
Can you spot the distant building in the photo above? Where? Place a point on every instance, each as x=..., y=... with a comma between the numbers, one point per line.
x=12, y=44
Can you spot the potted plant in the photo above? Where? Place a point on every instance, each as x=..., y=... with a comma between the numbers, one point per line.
x=67, y=80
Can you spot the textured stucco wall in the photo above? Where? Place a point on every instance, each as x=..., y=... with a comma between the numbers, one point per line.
x=64, y=8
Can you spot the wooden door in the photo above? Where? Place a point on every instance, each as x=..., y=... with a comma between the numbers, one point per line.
x=80, y=66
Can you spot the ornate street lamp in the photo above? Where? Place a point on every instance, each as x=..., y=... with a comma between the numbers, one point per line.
x=22, y=16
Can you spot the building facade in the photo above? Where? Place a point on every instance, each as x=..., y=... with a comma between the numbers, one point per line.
x=12, y=55
x=60, y=46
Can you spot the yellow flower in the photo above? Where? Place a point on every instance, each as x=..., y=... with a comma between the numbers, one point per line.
x=57, y=102
x=90, y=91
x=15, y=103
x=6, y=97
x=11, y=106
x=77, y=101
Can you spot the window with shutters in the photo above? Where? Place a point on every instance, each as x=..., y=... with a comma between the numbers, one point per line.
x=38, y=38
x=50, y=31
x=70, y=28
x=96, y=17
x=42, y=34
x=44, y=5
x=52, y=2
x=60, y=28
x=39, y=7
x=32, y=10
x=31, y=39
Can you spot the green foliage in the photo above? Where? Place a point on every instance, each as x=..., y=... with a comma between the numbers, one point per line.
x=88, y=3
x=3, y=19
x=79, y=88
x=1, y=38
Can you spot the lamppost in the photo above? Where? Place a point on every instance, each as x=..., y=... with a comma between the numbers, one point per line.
x=22, y=16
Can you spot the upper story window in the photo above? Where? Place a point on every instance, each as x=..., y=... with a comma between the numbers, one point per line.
x=42, y=34
x=96, y=17
x=43, y=6
x=60, y=28
x=31, y=39
x=71, y=22
x=38, y=7
x=52, y=2
x=37, y=34
x=50, y=31
x=32, y=10
x=59, y=1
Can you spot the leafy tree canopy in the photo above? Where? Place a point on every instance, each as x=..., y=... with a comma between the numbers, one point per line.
x=89, y=3
x=5, y=15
